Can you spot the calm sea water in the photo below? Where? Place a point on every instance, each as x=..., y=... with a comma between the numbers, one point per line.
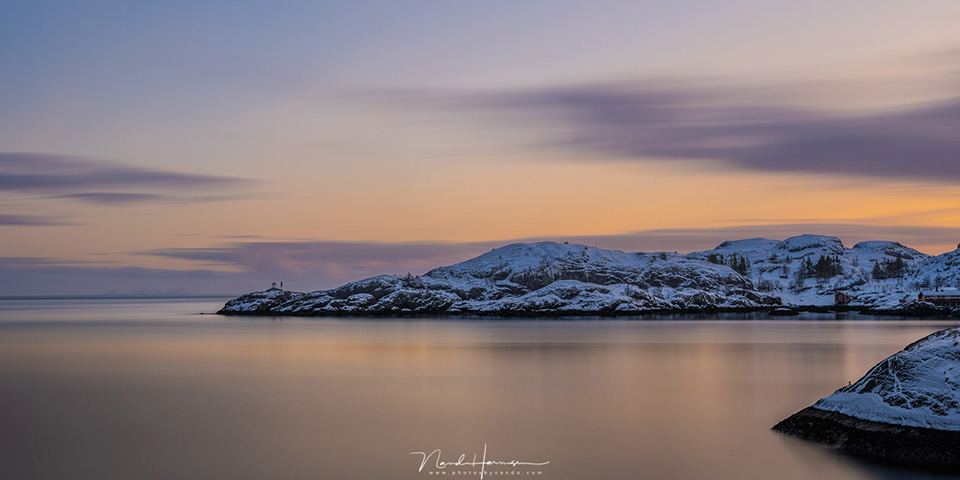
x=152, y=389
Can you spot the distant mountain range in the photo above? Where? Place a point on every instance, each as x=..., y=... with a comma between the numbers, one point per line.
x=549, y=278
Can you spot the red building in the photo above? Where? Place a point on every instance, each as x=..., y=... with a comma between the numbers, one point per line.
x=940, y=298
x=841, y=298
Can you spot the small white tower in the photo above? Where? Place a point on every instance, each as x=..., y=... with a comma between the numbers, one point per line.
x=273, y=286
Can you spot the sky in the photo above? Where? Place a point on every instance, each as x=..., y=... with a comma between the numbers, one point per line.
x=219, y=146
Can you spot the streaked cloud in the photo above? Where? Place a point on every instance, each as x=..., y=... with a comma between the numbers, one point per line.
x=46, y=276
x=124, y=198
x=895, y=119
x=113, y=197
x=30, y=220
x=99, y=181
x=647, y=123
x=327, y=263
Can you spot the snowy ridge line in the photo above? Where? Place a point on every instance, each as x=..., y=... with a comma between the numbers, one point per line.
x=548, y=278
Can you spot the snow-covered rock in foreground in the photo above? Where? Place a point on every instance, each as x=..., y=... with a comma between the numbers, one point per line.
x=920, y=386
x=906, y=409
x=530, y=279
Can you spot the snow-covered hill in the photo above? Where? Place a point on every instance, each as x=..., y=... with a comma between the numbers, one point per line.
x=536, y=278
x=811, y=269
x=554, y=278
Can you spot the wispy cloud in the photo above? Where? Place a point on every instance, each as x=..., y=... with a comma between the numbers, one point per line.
x=897, y=121
x=98, y=181
x=30, y=220
x=113, y=197
x=679, y=124
x=126, y=198
x=46, y=276
x=328, y=263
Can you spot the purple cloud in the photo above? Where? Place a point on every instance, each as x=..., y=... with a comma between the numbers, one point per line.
x=325, y=264
x=97, y=181
x=46, y=276
x=648, y=123
x=29, y=220
x=113, y=197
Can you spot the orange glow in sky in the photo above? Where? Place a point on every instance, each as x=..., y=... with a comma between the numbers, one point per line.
x=179, y=144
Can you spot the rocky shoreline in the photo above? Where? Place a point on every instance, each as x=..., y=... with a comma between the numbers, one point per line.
x=518, y=313
x=272, y=303
x=796, y=311
x=901, y=445
x=915, y=309
x=268, y=308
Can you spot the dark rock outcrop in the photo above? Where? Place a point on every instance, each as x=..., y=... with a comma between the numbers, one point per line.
x=916, y=447
x=912, y=309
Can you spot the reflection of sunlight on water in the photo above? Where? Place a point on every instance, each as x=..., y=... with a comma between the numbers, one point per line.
x=165, y=395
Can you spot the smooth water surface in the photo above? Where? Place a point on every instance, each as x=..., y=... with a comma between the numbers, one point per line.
x=151, y=389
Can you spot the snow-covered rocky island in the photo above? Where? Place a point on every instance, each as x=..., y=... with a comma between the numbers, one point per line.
x=905, y=410
x=549, y=278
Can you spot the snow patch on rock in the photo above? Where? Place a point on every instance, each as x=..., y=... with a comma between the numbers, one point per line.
x=918, y=387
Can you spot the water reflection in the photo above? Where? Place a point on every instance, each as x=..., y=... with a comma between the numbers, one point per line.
x=99, y=392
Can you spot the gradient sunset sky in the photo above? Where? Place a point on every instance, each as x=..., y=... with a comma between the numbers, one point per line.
x=219, y=146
